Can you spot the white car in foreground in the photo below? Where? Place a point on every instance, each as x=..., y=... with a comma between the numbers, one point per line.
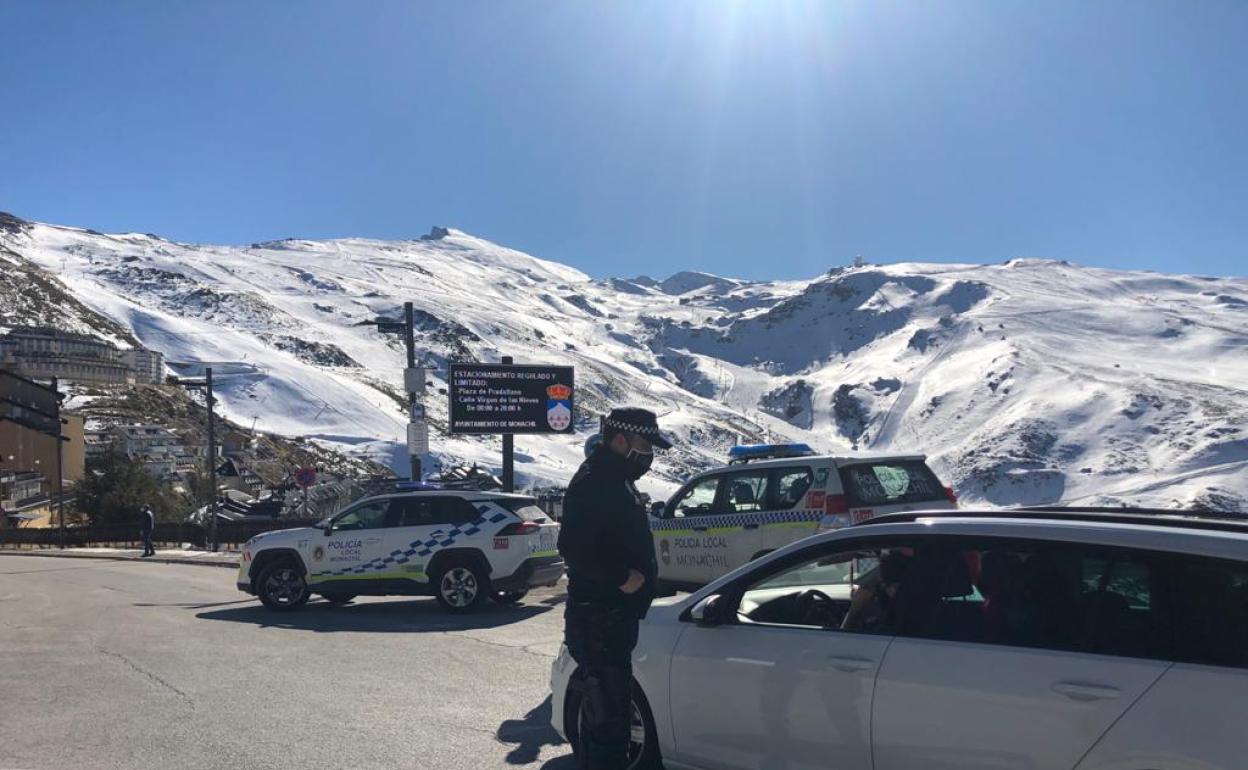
x=946, y=641
x=459, y=546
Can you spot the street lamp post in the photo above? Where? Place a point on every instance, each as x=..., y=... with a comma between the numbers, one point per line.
x=60, y=471
x=206, y=385
x=414, y=383
x=212, y=462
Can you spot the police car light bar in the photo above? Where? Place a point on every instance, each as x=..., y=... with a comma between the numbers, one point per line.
x=746, y=452
x=415, y=486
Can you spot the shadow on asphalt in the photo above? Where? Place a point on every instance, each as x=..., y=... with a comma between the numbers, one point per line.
x=530, y=735
x=411, y=616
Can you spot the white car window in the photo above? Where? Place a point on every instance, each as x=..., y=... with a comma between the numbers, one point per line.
x=838, y=590
x=1208, y=610
x=1057, y=596
x=367, y=516
x=425, y=510
x=891, y=483
x=746, y=491
x=791, y=486
x=698, y=500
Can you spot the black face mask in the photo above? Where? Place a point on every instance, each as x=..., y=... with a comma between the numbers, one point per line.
x=639, y=463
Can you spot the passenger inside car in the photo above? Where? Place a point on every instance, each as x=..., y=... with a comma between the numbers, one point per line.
x=792, y=489
x=1000, y=583
x=1027, y=597
x=873, y=608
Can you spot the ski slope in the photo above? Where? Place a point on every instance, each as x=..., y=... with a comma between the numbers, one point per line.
x=1032, y=381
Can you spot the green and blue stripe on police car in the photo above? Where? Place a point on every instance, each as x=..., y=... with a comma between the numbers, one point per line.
x=417, y=549
x=734, y=522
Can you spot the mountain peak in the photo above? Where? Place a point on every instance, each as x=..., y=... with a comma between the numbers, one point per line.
x=12, y=224
x=692, y=280
x=438, y=232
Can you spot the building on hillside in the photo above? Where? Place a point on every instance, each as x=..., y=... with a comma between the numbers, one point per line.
x=25, y=500
x=98, y=443
x=160, y=450
x=232, y=474
x=39, y=352
x=234, y=443
x=190, y=460
x=23, y=447
x=148, y=365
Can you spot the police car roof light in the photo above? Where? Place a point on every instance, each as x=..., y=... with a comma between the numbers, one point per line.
x=414, y=486
x=746, y=452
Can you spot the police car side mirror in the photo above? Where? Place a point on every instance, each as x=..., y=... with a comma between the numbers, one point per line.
x=329, y=529
x=708, y=611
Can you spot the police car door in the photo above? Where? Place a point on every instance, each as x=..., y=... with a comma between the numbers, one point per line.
x=746, y=500
x=430, y=524
x=677, y=536
x=351, y=547
x=723, y=534
x=795, y=512
x=405, y=553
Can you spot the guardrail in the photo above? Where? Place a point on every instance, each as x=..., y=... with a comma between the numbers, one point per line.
x=128, y=535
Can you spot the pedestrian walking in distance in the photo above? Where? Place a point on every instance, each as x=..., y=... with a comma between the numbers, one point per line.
x=605, y=541
x=147, y=523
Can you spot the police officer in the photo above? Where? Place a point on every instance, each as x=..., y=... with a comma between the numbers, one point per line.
x=605, y=540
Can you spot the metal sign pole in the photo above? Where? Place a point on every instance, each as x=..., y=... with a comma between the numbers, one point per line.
x=509, y=454
x=212, y=467
x=60, y=471
x=409, y=334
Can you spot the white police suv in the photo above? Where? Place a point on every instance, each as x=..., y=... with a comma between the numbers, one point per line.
x=459, y=546
x=770, y=495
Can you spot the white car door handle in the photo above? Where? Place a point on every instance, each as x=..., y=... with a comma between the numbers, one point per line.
x=848, y=663
x=1083, y=691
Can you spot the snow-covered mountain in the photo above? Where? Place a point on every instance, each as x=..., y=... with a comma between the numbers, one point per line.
x=1031, y=381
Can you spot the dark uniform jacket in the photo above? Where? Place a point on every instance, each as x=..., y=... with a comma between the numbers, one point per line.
x=604, y=533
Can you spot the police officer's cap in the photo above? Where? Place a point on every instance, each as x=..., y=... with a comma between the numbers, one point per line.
x=641, y=422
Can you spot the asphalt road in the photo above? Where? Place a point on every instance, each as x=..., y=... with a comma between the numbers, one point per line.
x=109, y=664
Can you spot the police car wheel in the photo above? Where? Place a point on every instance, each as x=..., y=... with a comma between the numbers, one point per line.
x=461, y=587
x=509, y=597
x=281, y=587
x=643, y=748
x=338, y=598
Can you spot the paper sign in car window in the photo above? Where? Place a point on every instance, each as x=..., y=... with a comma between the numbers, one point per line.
x=894, y=480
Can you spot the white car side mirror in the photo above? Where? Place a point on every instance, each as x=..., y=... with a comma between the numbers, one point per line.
x=708, y=611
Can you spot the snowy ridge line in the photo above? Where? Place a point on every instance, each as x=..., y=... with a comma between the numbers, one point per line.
x=1032, y=381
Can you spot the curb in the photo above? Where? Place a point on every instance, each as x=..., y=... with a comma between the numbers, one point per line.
x=59, y=554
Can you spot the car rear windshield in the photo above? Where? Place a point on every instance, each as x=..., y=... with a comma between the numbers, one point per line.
x=890, y=482
x=525, y=508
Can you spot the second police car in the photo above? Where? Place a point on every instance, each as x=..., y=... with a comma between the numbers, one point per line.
x=459, y=546
x=770, y=495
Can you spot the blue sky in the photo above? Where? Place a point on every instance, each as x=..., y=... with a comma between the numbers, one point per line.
x=757, y=138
